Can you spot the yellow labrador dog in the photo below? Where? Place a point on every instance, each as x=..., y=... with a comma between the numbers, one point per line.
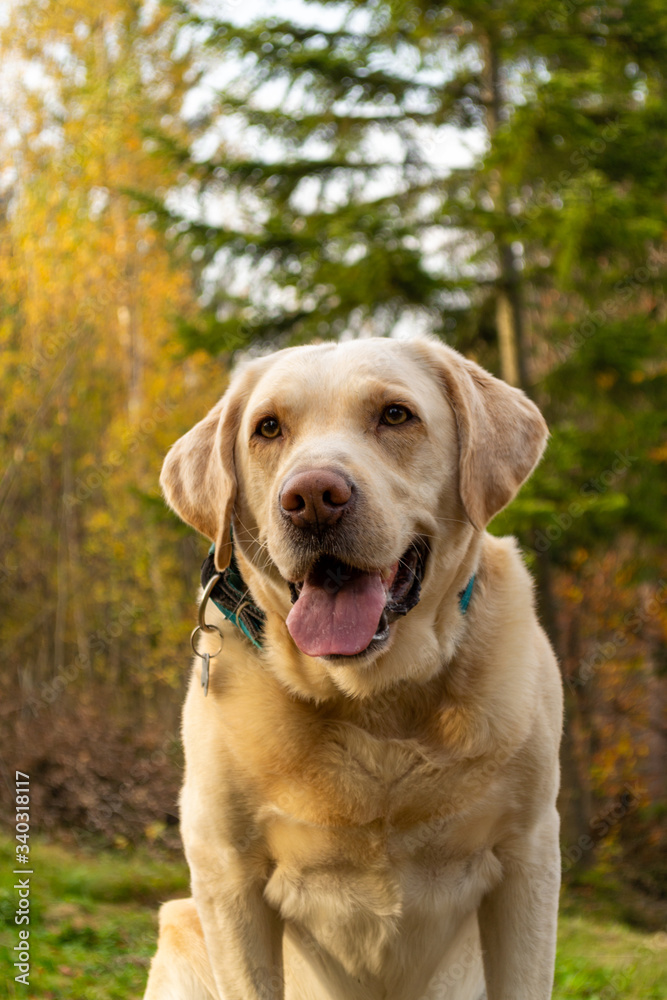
x=371, y=768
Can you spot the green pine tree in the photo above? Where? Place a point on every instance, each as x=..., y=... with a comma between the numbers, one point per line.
x=329, y=204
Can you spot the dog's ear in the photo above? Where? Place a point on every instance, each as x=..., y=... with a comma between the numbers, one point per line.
x=502, y=434
x=198, y=476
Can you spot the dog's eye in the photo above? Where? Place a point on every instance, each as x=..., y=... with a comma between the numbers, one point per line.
x=395, y=414
x=269, y=427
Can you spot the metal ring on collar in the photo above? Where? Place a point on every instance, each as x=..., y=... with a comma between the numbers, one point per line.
x=209, y=628
x=204, y=601
x=240, y=609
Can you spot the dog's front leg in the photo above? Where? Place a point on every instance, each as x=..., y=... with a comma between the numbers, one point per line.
x=518, y=918
x=243, y=934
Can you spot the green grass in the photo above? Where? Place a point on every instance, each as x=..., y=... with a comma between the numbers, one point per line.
x=94, y=923
x=603, y=961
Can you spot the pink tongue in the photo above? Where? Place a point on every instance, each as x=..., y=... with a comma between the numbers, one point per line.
x=344, y=622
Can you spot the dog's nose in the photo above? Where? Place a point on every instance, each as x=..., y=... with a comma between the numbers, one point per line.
x=316, y=497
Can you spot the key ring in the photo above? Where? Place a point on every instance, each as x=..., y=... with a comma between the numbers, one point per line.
x=205, y=657
x=204, y=628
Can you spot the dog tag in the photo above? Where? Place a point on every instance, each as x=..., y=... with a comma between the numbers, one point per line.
x=204, y=672
x=204, y=657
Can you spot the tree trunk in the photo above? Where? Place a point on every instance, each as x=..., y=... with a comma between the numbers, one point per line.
x=62, y=568
x=574, y=801
x=656, y=739
x=510, y=304
x=509, y=307
x=509, y=363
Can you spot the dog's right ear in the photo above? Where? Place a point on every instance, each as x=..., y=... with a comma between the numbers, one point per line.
x=198, y=476
x=501, y=433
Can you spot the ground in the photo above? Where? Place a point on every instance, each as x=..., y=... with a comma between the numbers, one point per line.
x=94, y=922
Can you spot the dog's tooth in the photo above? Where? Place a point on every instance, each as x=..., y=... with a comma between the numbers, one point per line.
x=383, y=628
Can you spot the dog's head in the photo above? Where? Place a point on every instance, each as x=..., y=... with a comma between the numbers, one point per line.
x=355, y=476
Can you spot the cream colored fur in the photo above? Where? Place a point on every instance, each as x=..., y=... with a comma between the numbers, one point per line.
x=383, y=828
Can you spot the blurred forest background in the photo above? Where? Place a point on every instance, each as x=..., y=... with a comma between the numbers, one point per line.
x=183, y=182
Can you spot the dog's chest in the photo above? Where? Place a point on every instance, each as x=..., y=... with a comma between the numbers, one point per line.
x=368, y=840
x=338, y=775
x=380, y=898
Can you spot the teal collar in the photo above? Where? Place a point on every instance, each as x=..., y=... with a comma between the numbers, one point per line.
x=465, y=595
x=232, y=597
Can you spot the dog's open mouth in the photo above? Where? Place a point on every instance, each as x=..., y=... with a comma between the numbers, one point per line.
x=340, y=610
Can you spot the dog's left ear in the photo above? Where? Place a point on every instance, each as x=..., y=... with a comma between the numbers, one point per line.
x=502, y=434
x=198, y=477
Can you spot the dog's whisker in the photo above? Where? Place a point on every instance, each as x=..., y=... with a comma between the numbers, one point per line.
x=449, y=520
x=262, y=546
